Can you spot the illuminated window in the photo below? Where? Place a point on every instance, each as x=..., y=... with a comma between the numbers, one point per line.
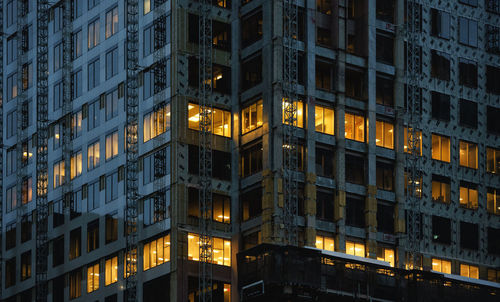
x=355, y=127
x=26, y=265
x=251, y=117
x=76, y=124
x=58, y=173
x=442, y=266
x=492, y=160
x=221, y=252
x=221, y=120
x=156, y=252
x=147, y=6
x=156, y=122
x=27, y=190
x=419, y=133
x=494, y=275
x=133, y=266
x=111, y=272
x=111, y=145
x=76, y=164
x=93, y=156
x=386, y=254
x=493, y=201
x=221, y=208
x=93, y=278
x=469, y=271
x=325, y=243
x=111, y=22
x=324, y=119
x=222, y=3
x=440, y=148
x=385, y=135
x=440, y=189
x=355, y=248
x=468, y=196
x=300, y=112
x=468, y=155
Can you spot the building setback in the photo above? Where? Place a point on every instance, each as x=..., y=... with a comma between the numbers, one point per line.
x=350, y=129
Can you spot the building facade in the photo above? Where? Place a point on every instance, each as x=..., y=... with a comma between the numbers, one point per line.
x=350, y=127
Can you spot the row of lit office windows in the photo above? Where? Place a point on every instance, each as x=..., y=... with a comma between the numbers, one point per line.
x=356, y=128
x=388, y=255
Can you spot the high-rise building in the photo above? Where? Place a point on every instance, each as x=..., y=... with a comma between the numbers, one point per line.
x=74, y=81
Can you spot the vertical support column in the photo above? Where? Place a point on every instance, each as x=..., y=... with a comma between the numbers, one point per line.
x=2, y=146
x=340, y=197
x=399, y=212
x=371, y=190
x=42, y=208
x=132, y=113
x=310, y=188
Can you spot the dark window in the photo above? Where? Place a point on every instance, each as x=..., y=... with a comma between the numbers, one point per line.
x=493, y=6
x=193, y=72
x=324, y=36
x=10, y=272
x=26, y=227
x=441, y=230
x=440, y=106
x=58, y=251
x=92, y=235
x=324, y=205
x=10, y=236
x=112, y=298
x=467, y=73
x=75, y=243
x=385, y=176
x=221, y=208
x=469, y=235
x=385, y=218
x=221, y=32
x=385, y=10
x=251, y=203
x=193, y=159
x=468, y=32
x=221, y=79
x=251, y=160
x=385, y=91
x=385, y=49
x=251, y=72
x=493, y=116
x=58, y=289
x=440, y=65
x=251, y=240
x=492, y=78
x=324, y=161
x=324, y=74
x=111, y=227
x=493, y=241
x=355, y=211
x=440, y=24
x=356, y=83
x=58, y=213
x=468, y=113
x=221, y=163
x=492, y=39
x=251, y=28
x=354, y=169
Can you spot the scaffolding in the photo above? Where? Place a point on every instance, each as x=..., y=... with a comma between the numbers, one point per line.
x=205, y=151
x=22, y=154
x=159, y=100
x=42, y=208
x=290, y=141
x=413, y=112
x=1, y=147
x=67, y=106
x=132, y=113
